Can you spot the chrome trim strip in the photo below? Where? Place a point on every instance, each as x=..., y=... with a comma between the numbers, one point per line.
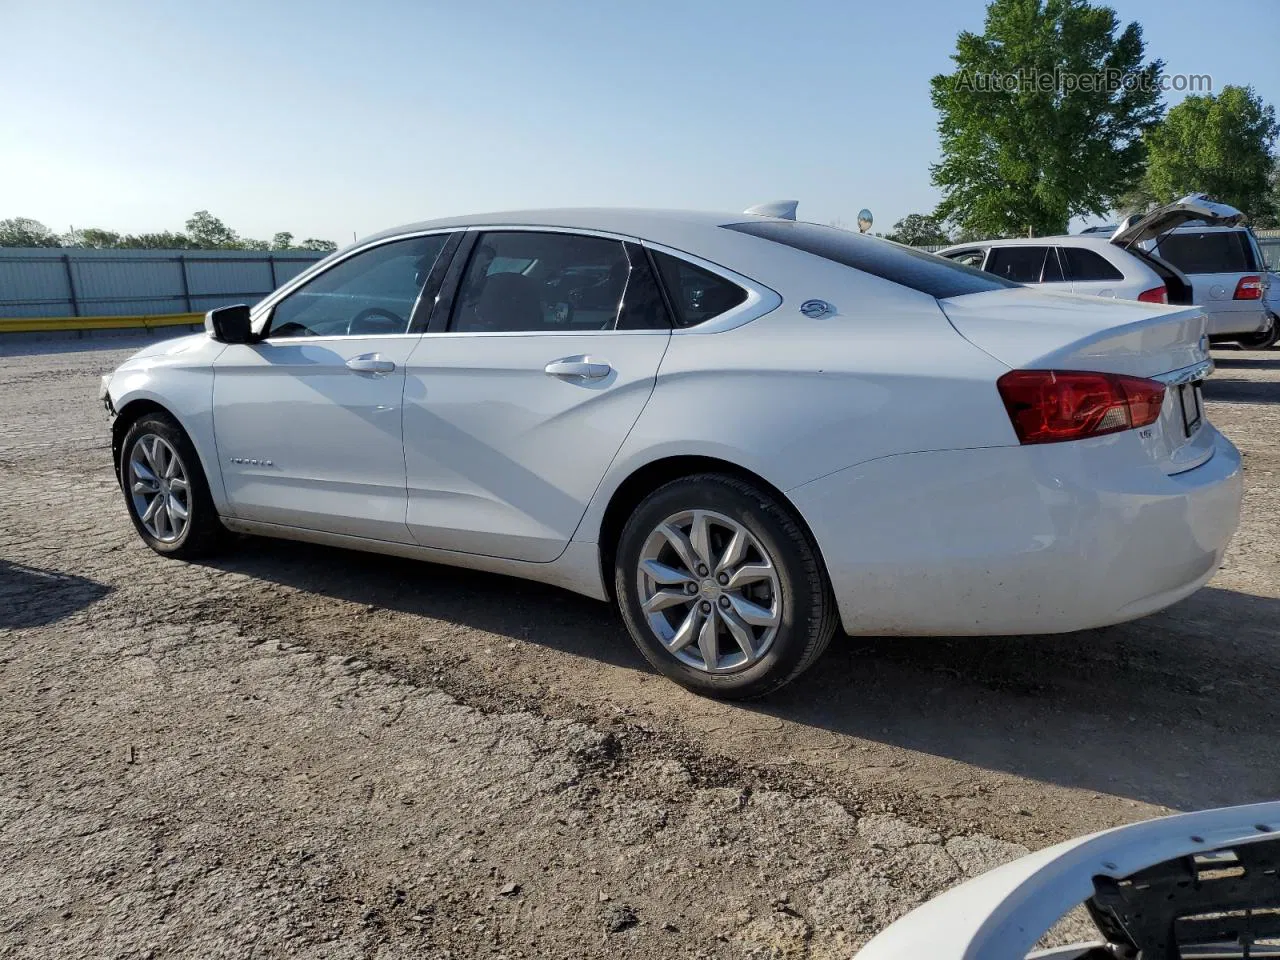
x=1197, y=371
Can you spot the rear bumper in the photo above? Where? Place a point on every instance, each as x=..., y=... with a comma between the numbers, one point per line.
x=1019, y=540
x=1252, y=317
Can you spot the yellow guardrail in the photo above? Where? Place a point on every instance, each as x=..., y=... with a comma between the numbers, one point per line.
x=38, y=324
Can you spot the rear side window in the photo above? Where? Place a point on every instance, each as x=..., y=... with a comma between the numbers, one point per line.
x=696, y=295
x=915, y=269
x=1086, y=265
x=1227, y=251
x=1019, y=264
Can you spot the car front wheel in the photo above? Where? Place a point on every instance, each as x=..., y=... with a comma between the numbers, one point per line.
x=721, y=588
x=165, y=489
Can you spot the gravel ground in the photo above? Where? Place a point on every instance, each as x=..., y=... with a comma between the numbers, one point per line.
x=296, y=751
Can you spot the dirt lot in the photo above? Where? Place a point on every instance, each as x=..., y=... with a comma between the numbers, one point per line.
x=295, y=751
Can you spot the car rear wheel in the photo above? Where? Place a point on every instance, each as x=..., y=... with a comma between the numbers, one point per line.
x=721, y=588
x=1264, y=340
x=165, y=489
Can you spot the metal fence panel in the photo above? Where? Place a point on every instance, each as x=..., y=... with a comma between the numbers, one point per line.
x=72, y=282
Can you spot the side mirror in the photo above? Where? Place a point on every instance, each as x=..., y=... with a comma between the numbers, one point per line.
x=229, y=324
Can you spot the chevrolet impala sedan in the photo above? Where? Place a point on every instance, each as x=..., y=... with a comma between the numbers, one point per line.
x=745, y=431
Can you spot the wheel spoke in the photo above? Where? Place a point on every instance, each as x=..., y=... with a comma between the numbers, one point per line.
x=680, y=543
x=688, y=631
x=149, y=451
x=666, y=598
x=751, y=573
x=171, y=462
x=733, y=553
x=700, y=537
x=753, y=613
x=146, y=487
x=178, y=485
x=707, y=643
x=163, y=524
x=152, y=508
x=141, y=471
x=175, y=509
x=663, y=574
x=740, y=631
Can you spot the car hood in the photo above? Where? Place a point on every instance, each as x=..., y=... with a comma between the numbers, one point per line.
x=1003, y=913
x=1196, y=206
x=169, y=348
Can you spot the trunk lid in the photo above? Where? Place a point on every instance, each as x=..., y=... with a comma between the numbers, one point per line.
x=1196, y=206
x=1035, y=330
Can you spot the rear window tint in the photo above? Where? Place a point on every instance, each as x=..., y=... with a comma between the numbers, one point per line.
x=1019, y=264
x=934, y=275
x=696, y=294
x=1086, y=265
x=1213, y=252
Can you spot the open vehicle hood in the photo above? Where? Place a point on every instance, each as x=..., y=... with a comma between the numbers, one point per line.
x=1135, y=881
x=1195, y=206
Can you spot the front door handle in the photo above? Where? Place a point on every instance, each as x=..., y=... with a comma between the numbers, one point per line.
x=578, y=368
x=370, y=363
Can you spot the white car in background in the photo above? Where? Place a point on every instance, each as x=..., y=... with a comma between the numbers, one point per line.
x=743, y=430
x=1196, y=885
x=1143, y=259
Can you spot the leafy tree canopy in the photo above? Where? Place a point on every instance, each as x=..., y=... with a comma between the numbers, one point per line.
x=918, y=229
x=1042, y=119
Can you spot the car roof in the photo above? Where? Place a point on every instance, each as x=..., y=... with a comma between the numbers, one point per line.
x=1066, y=240
x=661, y=226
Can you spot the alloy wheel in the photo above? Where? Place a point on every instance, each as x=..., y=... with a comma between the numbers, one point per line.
x=709, y=591
x=159, y=488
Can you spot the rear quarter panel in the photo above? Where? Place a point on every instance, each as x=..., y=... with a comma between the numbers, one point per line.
x=793, y=399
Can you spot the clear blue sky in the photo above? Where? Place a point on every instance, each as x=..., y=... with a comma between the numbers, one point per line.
x=328, y=118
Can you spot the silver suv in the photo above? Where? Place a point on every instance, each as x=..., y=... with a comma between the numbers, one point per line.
x=1219, y=256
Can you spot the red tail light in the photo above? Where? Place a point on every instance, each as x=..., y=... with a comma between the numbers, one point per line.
x=1154, y=295
x=1049, y=406
x=1249, y=288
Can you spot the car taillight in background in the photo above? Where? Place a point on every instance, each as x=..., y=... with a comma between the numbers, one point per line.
x=1154, y=295
x=1249, y=288
x=1050, y=406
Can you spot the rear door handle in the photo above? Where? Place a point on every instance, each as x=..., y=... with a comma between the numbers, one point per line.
x=370, y=363
x=578, y=368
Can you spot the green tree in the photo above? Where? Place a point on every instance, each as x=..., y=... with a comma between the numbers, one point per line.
x=917, y=230
x=92, y=238
x=25, y=232
x=282, y=241
x=1043, y=117
x=311, y=243
x=156, y=241
x=1215, y=144
x=209, y=233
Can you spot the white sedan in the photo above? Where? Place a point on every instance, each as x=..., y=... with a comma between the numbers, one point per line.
x=745, y=431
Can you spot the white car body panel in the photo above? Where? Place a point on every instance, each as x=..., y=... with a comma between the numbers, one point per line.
x=879, y=421
x=502, y=458
x=304, y=441
x=1001, y=914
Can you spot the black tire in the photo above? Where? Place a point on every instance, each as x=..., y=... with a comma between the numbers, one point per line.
x=1264, y=340
x=204, y=532
x=808, y=611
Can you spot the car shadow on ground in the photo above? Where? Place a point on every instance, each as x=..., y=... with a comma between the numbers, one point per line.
x=1176, y=709
x=1231, y=390
x=1249, y=361
x=31, y=597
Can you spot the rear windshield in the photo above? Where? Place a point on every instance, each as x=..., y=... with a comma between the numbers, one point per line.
x=934, y=275
x=1226, y=251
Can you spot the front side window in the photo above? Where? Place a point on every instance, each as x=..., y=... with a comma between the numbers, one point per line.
x=1018, y=264
x=529, y=282
x=1225, y=251
x=1085, y=265
x=371, y=293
